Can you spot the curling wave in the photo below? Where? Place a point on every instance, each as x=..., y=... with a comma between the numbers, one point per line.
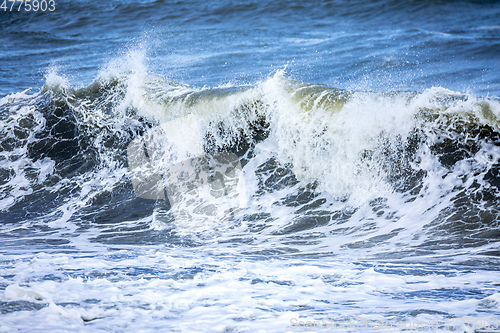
x=316, y=161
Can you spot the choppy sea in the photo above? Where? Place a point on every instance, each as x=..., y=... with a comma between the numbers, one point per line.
x=249, y=166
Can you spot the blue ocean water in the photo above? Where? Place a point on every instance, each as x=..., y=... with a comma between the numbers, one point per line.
x=364, y=149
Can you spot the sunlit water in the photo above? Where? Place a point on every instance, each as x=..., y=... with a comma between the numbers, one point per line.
x=364, y=195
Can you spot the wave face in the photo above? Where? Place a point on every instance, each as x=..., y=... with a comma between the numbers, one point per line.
x=322, y=173
x=247, y=166
x=322, y=155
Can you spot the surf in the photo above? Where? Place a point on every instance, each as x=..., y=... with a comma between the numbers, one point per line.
x=307, y=156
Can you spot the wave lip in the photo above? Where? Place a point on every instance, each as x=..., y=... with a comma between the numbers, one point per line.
x=296, y=155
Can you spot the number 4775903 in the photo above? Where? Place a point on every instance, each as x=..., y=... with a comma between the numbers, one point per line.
x=28, y=5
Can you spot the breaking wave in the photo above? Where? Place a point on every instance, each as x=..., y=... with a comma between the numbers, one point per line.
x=322, y=169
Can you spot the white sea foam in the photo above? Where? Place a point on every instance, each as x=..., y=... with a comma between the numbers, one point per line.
x=225, y=293
x=315, y=226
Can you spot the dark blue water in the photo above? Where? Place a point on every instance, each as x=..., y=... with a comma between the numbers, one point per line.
x=407, y=45
x=362, y=166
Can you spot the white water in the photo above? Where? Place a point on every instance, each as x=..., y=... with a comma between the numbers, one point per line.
x=340, y=242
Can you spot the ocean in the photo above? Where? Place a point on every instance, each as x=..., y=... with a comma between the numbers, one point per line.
x=249, y=166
